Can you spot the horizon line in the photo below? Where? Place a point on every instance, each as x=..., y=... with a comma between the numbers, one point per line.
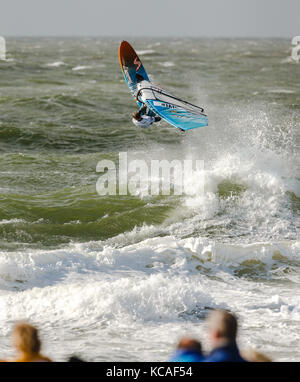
x=146, y=36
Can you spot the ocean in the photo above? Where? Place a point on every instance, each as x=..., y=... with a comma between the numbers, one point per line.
x=123, y=277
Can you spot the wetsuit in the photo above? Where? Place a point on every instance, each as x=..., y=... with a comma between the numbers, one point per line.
x=146, y=120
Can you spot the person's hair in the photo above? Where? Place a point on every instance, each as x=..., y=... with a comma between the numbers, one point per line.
x=224, y=323
x=139, y=78
x=27, y=338
x=75, y=358
x=189, y=344
x=252, y=355
x=136, y=116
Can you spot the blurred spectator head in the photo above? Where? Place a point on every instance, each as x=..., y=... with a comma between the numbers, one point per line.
x=187, y=350
x=75, y=358
x=252, y=355
x=222, y=327
x=26, y=338
x=27, y=342
x=187, y=343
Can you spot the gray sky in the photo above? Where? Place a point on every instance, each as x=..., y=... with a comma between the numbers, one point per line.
x=228, y=18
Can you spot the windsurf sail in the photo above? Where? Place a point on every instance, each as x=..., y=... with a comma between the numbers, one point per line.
x=181, y=114
x=173, y=110
x=2, y=48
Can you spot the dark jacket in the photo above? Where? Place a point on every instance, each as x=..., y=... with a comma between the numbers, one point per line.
x=228, y=353
x=182, y=355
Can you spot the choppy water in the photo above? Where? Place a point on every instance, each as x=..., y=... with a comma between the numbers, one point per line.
x=121, y=278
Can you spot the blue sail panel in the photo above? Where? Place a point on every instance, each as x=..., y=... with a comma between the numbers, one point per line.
x=178, y=116
x=173, y=110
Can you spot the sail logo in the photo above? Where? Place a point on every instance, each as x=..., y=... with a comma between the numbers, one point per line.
x=164, y=104
x=138, y=63
x=296, y=49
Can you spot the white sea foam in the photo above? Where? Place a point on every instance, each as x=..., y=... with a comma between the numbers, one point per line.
x=131, y=289
x=12, y=221
x=281, y=91
x=167, y=64
x=81, y=67
x=265, y=179
x=56, y=64
x=145, y=51
x=167, y=254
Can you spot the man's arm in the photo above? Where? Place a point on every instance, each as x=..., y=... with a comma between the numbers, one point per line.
x=143, y=110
